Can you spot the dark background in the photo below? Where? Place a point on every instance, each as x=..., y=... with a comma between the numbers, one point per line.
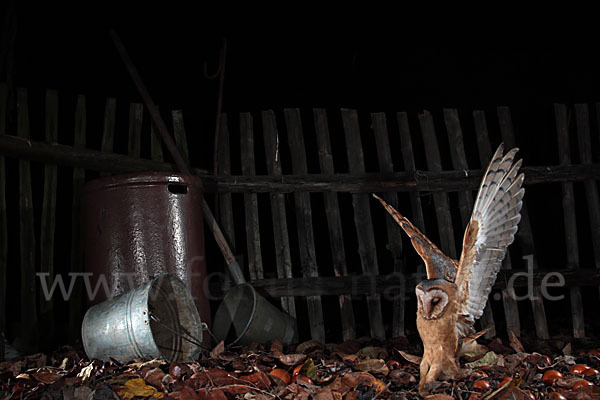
x=291, y=58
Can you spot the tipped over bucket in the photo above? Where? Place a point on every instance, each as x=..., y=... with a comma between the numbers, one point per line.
x=245, y=317
x=154, y=320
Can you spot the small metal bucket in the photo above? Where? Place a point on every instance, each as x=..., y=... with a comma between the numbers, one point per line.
x=156, y=319
x=245, y=317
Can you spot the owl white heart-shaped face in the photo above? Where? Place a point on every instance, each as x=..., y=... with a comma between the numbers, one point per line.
x=432, y=303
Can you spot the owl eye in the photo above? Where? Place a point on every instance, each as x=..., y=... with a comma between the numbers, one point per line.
x=435, y=301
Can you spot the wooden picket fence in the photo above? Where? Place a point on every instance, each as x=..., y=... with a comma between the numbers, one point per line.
x=293, y=196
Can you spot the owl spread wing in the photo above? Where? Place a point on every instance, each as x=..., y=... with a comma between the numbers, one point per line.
x=492, y=228
x=437, y=264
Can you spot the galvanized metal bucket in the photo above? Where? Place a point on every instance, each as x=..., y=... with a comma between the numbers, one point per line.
x=157, y=319
x=245, y=317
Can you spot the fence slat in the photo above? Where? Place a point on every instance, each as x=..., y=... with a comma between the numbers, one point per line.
x=306, y=238
x=525, y=233
x=108, y=131
x=3, y=215
x=134, y=140
x=156, y=152
x=75, y=304
x=26, y=234
x=591, y=187
x=440, y=200
x=568, y=202
x=224, y=200
x=255, y=265
x=459, y=162
x=48, y=222
x=278, y=212
x=409, y=166
x=334, y=222
x=394, y=233
x=362, y=218
x=180, y=135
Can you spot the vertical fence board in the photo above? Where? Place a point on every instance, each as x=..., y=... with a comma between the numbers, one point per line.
x=459, y=162
x=591, y=188
x=440, y=199
x=394, y=233
x=255, y=264
x=26, y=234
x=180, y=135
x=75, y=304
x=48, y=222
x=409, y=166
x=108, y=130
x=525, y=233
x=224, y=200
x=334, y=221
x=278, y=212
x=156, y=152
x=3, y=215
x=306, y=238
x=568, y=201
x=134, y=140
x=362, y=219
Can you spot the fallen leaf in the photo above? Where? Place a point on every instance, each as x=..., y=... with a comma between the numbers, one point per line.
x=211, y=394
x=218, y=349
x=401, y=377
x=150, y=364
x=46, y=377
x=490, y=358
x=440, y=396
x=86, y=372
x=515, y=343
x=154, y=377
x=410, y=358
x=292, y=359
x=373, y=365
x=236, y=390
x=353, y=379
x=373, y=352
x=186, y=393
x=327, y=394
x=307, y=369
x=259, y=379
x=567, y=349
x=307, y=346
x=511, y=393
x=137, y=387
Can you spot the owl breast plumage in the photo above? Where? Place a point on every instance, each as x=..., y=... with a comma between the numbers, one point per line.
x=455, y=292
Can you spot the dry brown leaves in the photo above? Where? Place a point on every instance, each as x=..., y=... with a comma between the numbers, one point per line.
x=360, y=369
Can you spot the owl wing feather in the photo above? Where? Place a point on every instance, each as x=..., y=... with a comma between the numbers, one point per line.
x=437, y=264
x=490, y=231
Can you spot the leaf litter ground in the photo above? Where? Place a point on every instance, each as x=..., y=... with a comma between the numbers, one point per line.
x=357, y=369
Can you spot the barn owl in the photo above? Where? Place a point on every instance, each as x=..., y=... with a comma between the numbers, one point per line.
x=455, y=292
